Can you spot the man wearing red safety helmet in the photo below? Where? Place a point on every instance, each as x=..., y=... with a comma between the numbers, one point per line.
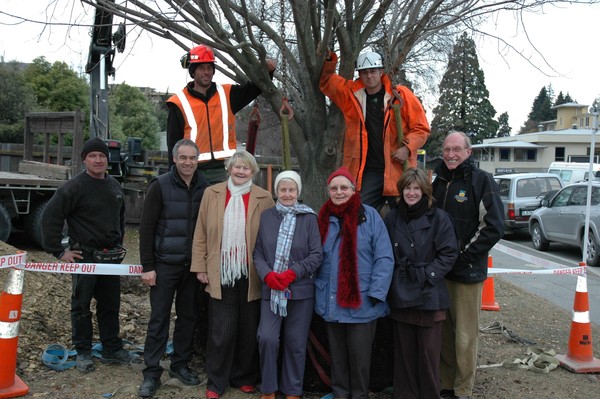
x=204, y=112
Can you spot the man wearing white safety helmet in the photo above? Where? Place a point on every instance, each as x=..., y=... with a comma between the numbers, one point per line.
x=372, y=151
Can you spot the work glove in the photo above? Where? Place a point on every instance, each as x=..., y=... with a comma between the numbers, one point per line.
x=272, y=281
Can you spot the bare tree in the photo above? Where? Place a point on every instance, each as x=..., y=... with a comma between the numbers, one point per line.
x=413, y=34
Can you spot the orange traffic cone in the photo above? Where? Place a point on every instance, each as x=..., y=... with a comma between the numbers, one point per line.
x=580, y=354
x=488, y=297
x=11, y=299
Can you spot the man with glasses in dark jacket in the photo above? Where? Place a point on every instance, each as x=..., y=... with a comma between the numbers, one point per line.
x=470, y=195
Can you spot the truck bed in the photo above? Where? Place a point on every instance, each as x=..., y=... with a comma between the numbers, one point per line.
x=21, y=180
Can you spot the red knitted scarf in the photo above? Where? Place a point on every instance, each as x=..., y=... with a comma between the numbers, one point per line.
x=348, y=292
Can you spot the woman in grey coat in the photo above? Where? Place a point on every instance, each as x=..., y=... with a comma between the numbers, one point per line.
x=287, y=253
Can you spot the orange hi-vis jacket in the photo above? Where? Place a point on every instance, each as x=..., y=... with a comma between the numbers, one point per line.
x=350, y=97
x=210, y=125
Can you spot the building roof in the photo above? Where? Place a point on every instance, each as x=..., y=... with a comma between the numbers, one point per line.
x=579, y=134
x=569, y=105
x=509, y=144
x=567, y=132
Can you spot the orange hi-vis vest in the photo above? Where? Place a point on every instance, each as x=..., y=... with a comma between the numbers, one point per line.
x=210, y=125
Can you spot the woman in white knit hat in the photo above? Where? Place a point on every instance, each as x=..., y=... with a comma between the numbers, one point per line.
x=287, y=254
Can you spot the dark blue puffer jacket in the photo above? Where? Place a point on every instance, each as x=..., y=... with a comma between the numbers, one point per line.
x=175, y=229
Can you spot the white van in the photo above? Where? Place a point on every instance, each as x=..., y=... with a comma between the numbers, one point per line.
x=573, y=172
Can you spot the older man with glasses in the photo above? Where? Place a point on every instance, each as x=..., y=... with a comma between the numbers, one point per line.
x=470, y=195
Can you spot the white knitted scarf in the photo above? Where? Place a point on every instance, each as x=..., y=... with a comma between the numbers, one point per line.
x=234, y=258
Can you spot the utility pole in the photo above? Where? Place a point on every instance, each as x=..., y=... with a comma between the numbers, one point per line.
x=594, y=110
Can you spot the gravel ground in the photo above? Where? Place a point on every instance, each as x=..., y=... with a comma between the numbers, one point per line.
x=45, y=320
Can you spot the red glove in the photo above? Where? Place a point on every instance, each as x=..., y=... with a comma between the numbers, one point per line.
x=287, y=277
x=273, y=282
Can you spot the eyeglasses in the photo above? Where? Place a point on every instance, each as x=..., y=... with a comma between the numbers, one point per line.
x=343, y=189
x=456, y=150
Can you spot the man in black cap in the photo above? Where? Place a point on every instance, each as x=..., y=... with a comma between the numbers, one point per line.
x=92, y=204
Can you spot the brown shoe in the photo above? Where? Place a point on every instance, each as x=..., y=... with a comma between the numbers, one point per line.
x=268, y=396
x=292, y=397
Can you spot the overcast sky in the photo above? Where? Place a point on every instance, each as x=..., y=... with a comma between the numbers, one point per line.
x=566, y=37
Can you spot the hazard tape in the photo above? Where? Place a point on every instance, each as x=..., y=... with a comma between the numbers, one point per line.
x=575, y=271
x=15, y=260
x=105, y=269
x=18, y=261
x=551, y=268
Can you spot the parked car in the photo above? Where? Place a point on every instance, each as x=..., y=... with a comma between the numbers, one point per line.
x=522, y=193
x=573, y=172
x=562, y=220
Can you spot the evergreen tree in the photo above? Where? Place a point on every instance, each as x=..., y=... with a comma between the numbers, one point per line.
x=568, y=99
x=504, y=129
x=463, y=103
x=541, y=110
x=563, y=99
x=560, y=99
x=131, y=114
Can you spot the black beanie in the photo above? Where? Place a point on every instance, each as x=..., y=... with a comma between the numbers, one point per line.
x=94, y=144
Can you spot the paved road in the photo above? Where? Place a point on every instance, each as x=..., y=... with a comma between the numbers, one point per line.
x=558, y=289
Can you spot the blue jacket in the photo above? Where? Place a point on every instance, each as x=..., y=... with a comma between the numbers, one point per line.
x=375, y=267
x=305, y=255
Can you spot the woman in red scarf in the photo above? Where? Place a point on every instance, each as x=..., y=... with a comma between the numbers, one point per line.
x=352, y=283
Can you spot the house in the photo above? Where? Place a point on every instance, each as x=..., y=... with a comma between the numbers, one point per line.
x=567, y=138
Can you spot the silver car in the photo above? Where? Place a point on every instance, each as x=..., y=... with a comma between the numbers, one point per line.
x=562, y=220
x=521, y=194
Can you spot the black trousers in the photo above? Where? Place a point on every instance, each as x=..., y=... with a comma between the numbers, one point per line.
x=232, y=349
x=107, y=292
x=371, y=191
x=172, y=282
x=351, y=345
x=417, y=360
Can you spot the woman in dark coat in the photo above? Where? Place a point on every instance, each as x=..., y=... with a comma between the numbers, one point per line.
x=425, y=248
x=287, y=253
